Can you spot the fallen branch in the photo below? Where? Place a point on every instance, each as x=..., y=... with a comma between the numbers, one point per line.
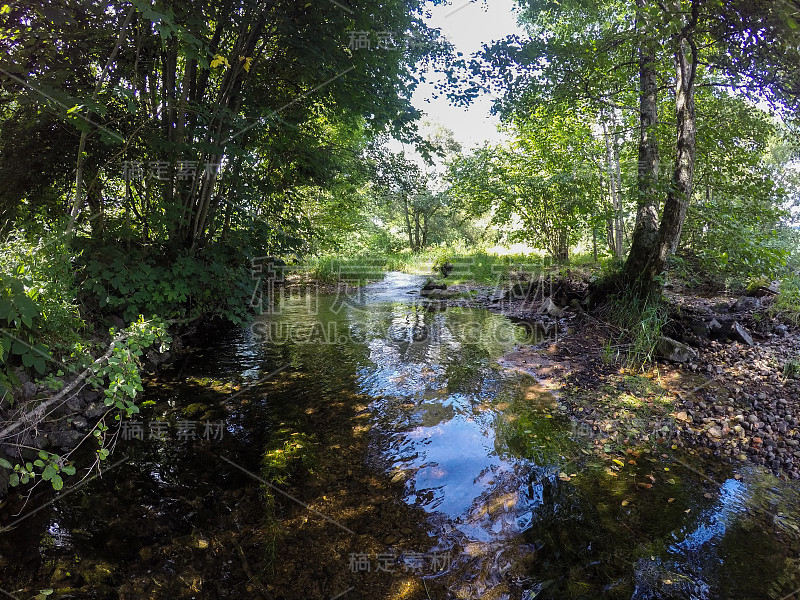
x=37, y=414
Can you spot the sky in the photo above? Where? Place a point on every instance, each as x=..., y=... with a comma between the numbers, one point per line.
x=468, y=24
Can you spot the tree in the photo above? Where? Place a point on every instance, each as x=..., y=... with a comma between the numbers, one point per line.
x=547, y=179
x=581, y=51
x=231, y=88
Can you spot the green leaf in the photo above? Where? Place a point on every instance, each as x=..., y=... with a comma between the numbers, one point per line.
x=13, y=480
x=49, y=473
x=5, y=308
x=68, y=470
x=57, y=482
x=5, y=464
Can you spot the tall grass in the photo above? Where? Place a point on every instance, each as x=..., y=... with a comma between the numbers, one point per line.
x=641, y=321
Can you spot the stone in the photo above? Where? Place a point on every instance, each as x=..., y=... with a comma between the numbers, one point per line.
x=715, y=329
x=76, y=403
x=431, y=285
x=714, y=432
x=550, y=309
x=80, y=423
x=65, y=439
x=746, y=303
x=439, y=294
x=674, y=350
x=740, y=334
x=95, y=410
x=699, y=328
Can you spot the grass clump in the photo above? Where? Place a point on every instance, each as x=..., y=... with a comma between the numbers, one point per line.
x=640, y=321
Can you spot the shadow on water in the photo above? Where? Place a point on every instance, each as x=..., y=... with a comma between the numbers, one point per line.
x=512, y=491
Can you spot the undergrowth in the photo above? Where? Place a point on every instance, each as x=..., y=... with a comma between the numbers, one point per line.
x=787, y=302
x=640, y=321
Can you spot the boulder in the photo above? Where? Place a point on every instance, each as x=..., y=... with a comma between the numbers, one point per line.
x=699, y=328
x=767, y=290
x=550, y=309
x=95, y=410
x=715, y=329
x=432, y=285
x=746, y=303
x=740, y=334
x=439, y=294
x=674, y=350
x=65, y=439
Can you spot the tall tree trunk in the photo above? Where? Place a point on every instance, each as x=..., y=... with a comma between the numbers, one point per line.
x=614, y=186
x=680, y=190
x=645, y=233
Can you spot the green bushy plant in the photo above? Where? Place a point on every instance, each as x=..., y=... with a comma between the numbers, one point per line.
x=37, y=310
x=787, y=302
x=141, y=282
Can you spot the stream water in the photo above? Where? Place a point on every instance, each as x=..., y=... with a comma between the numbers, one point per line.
x=509, y=491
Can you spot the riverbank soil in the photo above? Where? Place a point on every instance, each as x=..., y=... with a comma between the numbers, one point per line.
x=732, y=391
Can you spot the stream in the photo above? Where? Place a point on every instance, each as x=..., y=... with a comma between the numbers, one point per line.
x=509, y=496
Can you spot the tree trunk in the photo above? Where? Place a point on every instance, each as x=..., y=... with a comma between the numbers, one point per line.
x=408, y=223
x=645, y=233
x=614, y=187
x=680, y=191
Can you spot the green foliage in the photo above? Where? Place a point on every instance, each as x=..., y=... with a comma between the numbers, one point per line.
x=791, y=369
x=50, y=468
x=732, y=225
x=787, y=302
x=37, y=310
x=544, y=187
x=119, y=374
x=358, y=269
x=213, y=284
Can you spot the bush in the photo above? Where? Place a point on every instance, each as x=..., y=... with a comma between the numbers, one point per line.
x=142, y=281
x=787, y=302
x=38, y=313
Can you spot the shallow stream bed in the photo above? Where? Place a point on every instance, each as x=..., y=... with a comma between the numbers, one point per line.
x=420, y=468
